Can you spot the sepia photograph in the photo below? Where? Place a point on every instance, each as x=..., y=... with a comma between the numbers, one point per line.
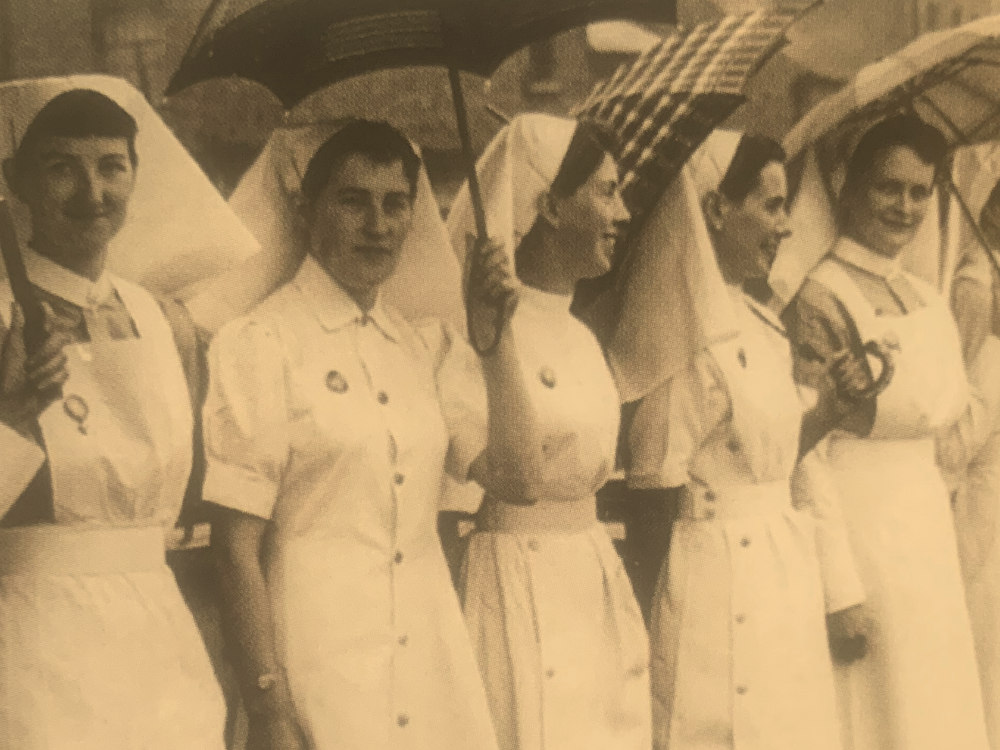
x=499, y=375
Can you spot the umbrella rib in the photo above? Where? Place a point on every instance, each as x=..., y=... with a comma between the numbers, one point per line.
x=959, y=135
x=976, y=230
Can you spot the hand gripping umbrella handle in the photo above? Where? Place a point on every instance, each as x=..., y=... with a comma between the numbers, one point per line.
x=875, y=349
x=24, y=293
x=881, y=353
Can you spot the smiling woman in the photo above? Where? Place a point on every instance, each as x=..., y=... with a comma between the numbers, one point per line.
x=358, y=204
x=895, y=502
x=79, y=188
x=739, y=648
x=327, y=449
x=561, y=642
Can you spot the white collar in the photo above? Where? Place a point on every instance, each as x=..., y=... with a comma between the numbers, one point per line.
x=334, y=307
x=546, y=301
x=867, y=260
x=55, y=279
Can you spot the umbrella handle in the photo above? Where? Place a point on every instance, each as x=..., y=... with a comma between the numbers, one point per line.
x=17, y=276
x=881, y=353
x=478, y=209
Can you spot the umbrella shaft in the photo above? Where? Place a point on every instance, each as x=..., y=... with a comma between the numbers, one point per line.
x=462, y=117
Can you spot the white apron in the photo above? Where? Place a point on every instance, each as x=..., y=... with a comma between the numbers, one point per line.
x=560, y=638
x=918, y=688
x=97, y=648
x=740, y=654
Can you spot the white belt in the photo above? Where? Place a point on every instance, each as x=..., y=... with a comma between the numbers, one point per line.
x=543, y=517
x=80, y=550
x=701, y=503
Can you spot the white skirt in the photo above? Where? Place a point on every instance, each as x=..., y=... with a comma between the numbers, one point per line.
x=740, y=654
x=918, y=688
x=97, y=648
x=559, y=636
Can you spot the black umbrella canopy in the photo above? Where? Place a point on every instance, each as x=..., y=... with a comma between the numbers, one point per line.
x=295, y=47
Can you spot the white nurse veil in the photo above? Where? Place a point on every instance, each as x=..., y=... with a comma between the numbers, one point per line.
x=179, y=230
x=931, y=255
x=674, y=301
x=515, y=172
x=427, y=283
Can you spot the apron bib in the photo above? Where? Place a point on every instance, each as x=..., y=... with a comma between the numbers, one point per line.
x=120, y=440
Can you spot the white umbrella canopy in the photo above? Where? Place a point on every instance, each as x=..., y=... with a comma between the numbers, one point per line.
x=950, y=78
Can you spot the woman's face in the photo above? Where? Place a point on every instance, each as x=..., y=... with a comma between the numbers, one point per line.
x=747, y=233
x=360, y=221
x=592, y=219
x=886, y=209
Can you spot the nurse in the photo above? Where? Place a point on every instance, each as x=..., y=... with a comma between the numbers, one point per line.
x=326, y=450
x=561, y=642
x=918, y=687
x=97, y=649
x=739, y=643
x=972, y=454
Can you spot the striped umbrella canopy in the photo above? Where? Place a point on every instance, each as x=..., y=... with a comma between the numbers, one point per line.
x=665, y=103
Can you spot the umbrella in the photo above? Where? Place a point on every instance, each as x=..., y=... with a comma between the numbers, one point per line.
x=296, y=47
x=662, y=106
x=666, y=102
x=949, y=78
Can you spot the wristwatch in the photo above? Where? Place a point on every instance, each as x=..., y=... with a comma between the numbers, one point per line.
x=267, y=681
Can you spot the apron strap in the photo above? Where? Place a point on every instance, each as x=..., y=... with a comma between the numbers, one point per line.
x=190, y=348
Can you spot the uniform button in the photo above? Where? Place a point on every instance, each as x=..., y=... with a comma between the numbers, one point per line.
x=383, y=398
x=398, y=558
x=402, y=720
x=709, y=515
x=550, y=673
x=745, y=541
x=533, y=545
x=637, y=671
x=399, y=479
x=741, y=689
x=403, y=640
x=733, y=445
x=710, y=496
x=740, y=619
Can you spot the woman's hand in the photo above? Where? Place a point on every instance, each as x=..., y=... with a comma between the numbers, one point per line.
x=29, y=384
x=275, y=731
x=847, y=375
x=492, y=291
x=848, y=631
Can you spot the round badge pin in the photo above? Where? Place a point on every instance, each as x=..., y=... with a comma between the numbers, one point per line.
x=548, y=377
x=335, y=382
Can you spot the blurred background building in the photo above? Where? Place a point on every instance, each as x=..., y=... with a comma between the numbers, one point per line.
x=224, y=124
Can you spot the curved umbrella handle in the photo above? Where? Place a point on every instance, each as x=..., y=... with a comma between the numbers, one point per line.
x=474, y=247
x=881, y=353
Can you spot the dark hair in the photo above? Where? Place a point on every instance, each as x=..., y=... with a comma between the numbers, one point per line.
x=378, y=141
x=80, y=113
x=910, y=131
x=753, y=153
x=587, y=150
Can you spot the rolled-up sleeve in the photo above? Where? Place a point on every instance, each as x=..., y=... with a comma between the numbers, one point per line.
x=22, y=458
x=462, y=392
x=813, y=487
x=246, y=418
